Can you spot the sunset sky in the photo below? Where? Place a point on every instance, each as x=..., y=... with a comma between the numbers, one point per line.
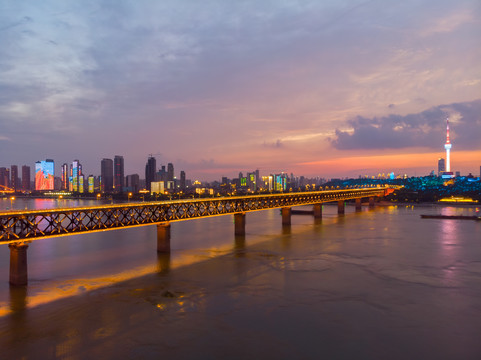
x=329, y=88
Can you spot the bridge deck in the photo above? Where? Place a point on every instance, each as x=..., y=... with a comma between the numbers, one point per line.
x=18, y=226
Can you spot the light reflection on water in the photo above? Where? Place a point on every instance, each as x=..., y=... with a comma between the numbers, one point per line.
x=382, y=275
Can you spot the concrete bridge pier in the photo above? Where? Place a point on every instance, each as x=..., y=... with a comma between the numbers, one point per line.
x=340, y=207
x=358, y=204
x=317, y=211
x=371, y=201
x=240, y=224
x=18, y=264
x=163, y=237
x=286, y=216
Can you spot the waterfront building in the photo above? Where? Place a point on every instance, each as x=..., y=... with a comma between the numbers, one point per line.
x=25, y=177
x=14, y=183
x=132, y=183
x=182, y=180
x=150, y=169
x=118, y=173
x=170, y=172
x=4, y=177
x=107, y=175
x=65, y=177
x=44, y=175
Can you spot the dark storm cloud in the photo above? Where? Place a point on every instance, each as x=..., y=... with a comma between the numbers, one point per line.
x=425, y=129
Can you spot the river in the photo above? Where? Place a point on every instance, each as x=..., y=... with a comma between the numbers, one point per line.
x=380, y=283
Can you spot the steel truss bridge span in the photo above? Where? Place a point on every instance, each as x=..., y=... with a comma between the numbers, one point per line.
x=20, y=226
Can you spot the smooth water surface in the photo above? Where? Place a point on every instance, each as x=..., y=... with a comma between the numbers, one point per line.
x=380, y=283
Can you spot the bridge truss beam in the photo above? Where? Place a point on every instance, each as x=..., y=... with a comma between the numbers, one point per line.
x=18, y=226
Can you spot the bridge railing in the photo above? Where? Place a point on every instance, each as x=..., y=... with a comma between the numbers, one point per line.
x=18, y=226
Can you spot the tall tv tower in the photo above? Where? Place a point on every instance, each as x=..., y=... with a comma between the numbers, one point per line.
x=447, y=146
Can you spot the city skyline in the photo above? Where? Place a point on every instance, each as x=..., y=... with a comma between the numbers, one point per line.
x=318, y=89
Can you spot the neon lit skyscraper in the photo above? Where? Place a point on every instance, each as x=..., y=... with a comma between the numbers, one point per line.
x=447, y=146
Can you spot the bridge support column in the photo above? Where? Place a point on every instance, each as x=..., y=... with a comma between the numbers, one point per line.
x=358, y=204
x=163, y=237
x=18, y=264
x=317, y=211
x=286, y=216
x=240, y=224
x=371, y=201
x=340, y=207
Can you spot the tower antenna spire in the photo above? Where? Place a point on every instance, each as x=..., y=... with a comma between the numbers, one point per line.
x=447, y=146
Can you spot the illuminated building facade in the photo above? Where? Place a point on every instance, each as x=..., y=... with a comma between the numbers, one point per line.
x=65, y=177
x=44, y=175
x=76, y=172
x=91, y=184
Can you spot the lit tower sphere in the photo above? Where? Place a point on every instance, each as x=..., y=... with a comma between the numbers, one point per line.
x=447, y=146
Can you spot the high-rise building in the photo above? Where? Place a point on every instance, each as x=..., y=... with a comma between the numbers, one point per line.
x=441, y=166
x=76, y=172
x=4, y=177
x=182, y=180
x=132, y=183
x=447, y=146
x=14, y=183
x=118, y=173
x=25, y=177
x=107, y=175
x=91, y=184
x=150, y=169
x=170, y=172
x=44, y=175
x=65, y=177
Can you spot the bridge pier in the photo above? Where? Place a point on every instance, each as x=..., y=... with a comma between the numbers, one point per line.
x=286, y=216
x=18, y=264
x=317, y=211
x=340, y=207
x=163, y=237
x=240, y=224
x=358, y=204
x=371, y=201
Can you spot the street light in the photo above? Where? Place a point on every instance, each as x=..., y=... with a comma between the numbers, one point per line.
x=11, y=201
x=129, y=196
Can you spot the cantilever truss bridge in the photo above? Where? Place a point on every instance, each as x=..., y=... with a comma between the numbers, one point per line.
x=17, y=226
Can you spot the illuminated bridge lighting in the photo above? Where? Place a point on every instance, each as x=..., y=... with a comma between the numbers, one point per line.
x=25, y=225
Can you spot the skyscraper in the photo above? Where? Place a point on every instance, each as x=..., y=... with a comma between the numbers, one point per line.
x=118, y=173
x=150, y=169
x=107, y=175
x=14, y=177
x=25, y=177
x=182, y=180
x=4, y=177
x=76, y=171
x=170, y=172
x=447, y=146
x=441, y=166
x=65, y=177
x=44, y=175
